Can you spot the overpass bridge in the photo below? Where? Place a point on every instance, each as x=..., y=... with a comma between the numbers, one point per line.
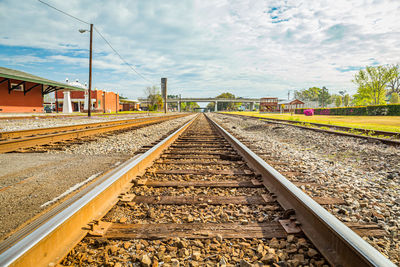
x=252, y=101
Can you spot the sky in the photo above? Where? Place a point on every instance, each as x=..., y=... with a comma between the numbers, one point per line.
x=204, y=48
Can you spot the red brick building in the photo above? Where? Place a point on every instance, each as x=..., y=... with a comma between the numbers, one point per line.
x=289, y=105
x=272, y=104
x=268, y=104
x=23, y=92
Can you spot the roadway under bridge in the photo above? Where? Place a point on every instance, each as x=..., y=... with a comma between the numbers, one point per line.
x=252, y=101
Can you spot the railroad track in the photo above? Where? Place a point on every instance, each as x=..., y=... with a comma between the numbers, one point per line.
x=17, y=140
x=62, y=116
x=199, y=196
x=370, y=135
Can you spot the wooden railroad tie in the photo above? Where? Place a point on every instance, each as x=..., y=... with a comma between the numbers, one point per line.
x=197, y=162
x=189, y=230
x=210, y=146
x=211, y=230
x=229, y=183
x=206, y=172
x=196, y=200
x=194, y=156
x=195, y=152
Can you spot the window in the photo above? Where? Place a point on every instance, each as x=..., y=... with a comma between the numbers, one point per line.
x=19, y=88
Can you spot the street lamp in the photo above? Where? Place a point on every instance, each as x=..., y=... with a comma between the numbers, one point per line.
x=90, y=66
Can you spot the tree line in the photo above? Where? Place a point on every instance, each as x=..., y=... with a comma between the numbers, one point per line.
x=375, y=85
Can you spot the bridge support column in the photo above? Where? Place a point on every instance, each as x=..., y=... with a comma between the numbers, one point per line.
x=252, y=105
x=179, y=106
x=216, y=106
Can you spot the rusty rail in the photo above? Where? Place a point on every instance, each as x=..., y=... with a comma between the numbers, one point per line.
x=57, y=134
x=63, y=116
x=50, y=242
x=337, y=243
x=58, y=129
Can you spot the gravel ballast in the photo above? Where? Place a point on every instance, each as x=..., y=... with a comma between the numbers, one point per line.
x=366, y=175
x=32, y=182
x=126, y=143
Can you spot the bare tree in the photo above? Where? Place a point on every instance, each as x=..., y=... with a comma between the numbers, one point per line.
x=154, y=97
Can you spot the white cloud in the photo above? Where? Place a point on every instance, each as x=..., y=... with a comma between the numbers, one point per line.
x=251, y=48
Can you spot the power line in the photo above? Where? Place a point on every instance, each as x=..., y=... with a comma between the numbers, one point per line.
x=65, y=13
x=115, y=51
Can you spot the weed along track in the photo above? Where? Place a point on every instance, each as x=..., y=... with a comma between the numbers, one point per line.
x=206, y=200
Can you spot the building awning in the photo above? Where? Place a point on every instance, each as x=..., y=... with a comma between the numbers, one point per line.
x=48, y=85
x=129, y=101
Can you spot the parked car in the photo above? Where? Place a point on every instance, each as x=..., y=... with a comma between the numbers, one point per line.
x=47, y=109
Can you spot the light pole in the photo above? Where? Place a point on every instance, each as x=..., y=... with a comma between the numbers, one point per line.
x=90, y=68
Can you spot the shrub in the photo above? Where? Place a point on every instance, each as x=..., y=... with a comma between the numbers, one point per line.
x=374, y=110
x=309, y=112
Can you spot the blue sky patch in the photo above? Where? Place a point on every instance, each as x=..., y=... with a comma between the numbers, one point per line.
x=203, y=48
x=349, y=68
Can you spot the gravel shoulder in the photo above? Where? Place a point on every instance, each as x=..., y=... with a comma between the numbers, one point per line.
x=366, y=175
x=32, y=182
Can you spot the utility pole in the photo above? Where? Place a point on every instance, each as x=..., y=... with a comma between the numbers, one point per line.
x=164, y=92
x=55, y=92
x=90, y=71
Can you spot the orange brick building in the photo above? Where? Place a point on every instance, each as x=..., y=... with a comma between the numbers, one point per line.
x=23, y=92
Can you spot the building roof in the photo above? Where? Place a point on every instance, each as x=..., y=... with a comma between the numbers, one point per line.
x=23, y=76
x=129, y=100
x=288, y=102
x=78, y=84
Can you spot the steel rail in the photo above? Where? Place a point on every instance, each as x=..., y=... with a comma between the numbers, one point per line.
x=337, y=243
x=30, y=132
x=13, y=144
x=295, y=124
x=51, y=241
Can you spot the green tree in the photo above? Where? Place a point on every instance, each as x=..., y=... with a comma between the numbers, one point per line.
x=227, y=105
x=310, y=94
x=394, y=83
x=372, y=85
x=346, y=100
x=211, y=106
x=394, y=99
x=338, y=101
x=189, y=106
x=324, y=97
